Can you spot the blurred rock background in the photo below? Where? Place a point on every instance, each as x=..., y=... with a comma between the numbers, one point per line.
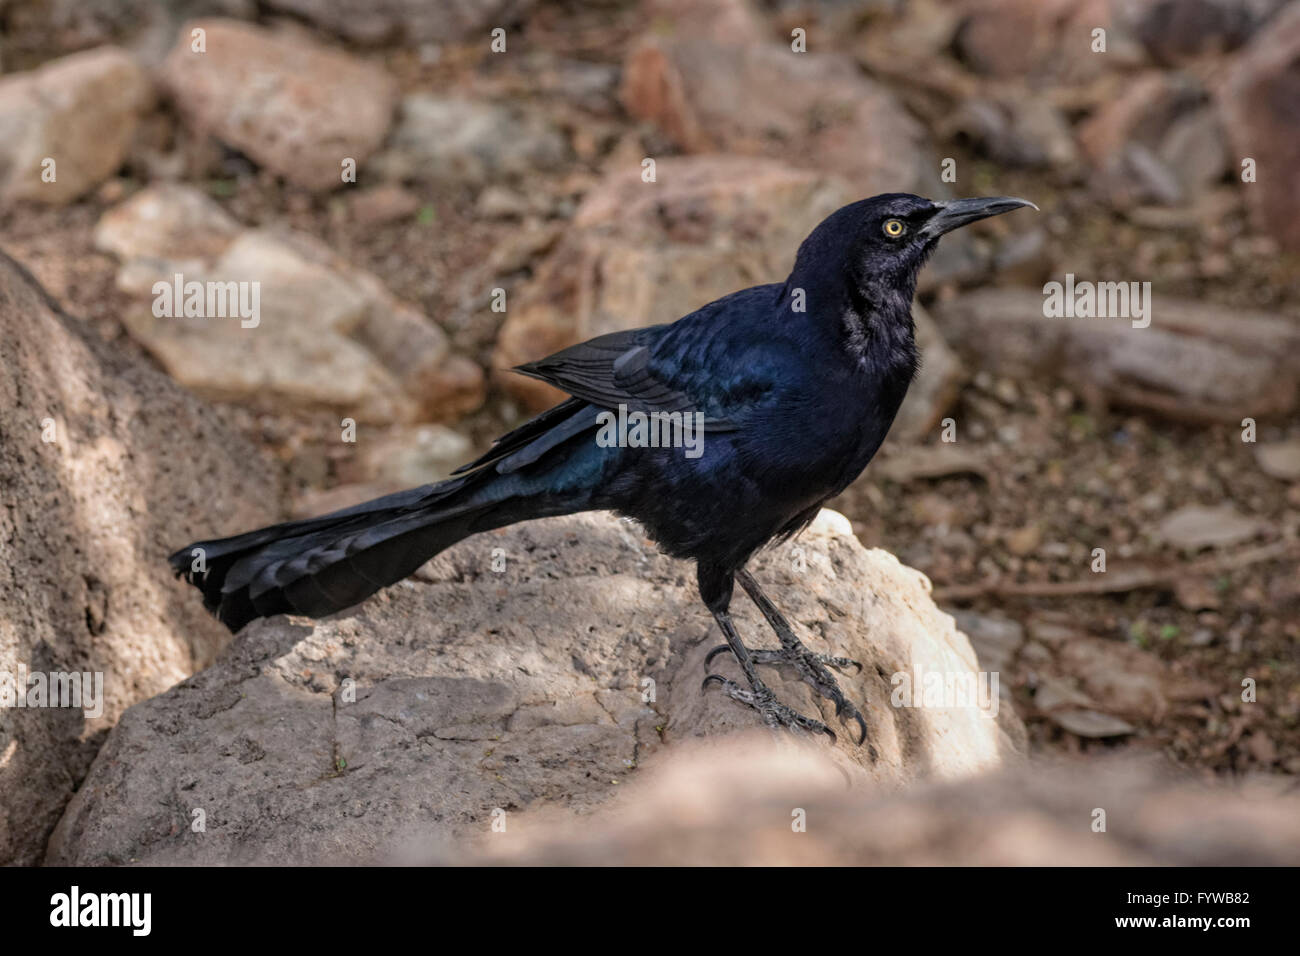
x=521, y=171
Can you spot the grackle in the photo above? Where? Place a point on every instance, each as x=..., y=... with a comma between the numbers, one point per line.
x=794, y=384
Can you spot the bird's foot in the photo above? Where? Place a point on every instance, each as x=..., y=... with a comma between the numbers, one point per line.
x=812, y=670
x=774, y=713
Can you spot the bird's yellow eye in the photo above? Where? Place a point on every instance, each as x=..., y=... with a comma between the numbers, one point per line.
x=894, y=228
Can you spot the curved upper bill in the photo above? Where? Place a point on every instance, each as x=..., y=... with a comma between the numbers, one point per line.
x=955, y=213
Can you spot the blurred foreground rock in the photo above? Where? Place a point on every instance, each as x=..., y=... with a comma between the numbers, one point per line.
x=80, y=113
x=106, y=468
x=728, y=803
x=329, y=335
x=404, y=724
x=1196, y=362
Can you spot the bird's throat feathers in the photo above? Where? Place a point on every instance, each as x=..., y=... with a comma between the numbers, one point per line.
x=877, y=331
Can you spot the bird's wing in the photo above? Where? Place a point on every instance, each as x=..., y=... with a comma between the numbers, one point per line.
x=525, y=434
x=536, y=436
x=695, y=364
x=619, y=369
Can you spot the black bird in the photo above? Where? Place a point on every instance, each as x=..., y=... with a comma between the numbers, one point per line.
x=795, y=383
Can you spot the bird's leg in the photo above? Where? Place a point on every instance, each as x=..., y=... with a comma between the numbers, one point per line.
x=715, y=589
x=811, y=667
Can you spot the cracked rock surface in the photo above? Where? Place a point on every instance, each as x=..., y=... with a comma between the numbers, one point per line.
x=406, y=726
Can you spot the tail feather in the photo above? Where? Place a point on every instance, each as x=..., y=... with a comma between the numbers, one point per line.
x=322, y=565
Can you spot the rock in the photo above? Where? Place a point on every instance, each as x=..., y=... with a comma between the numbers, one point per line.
x=1194, y=527
x=996, y=639
x=295, y=107
x=1018, y=129
x=723, y=804
x=522, y=689
x=1196, y=594
x=1280, y=459
x=1126, y=681
x=765, y=100
x=1041, y=40
x=1195, y=147
x=930, y=461
x=964, y=262
x=1158, y=140
x=406, y=455
x=1195, y=362
x=1024, y=258
x=981, y=39
x=381, y=22
x=718, y=21
x=382, y=460
x=1257, y=101
x=1054, y=693
x=1178, y=31
x=166, y=221
x=640, y=253
x=34, y=28
x=90, y=517
x=1025, y=540
x=81, y=111
x=383, y=204
x=1261, y=747
x=1091, y=723
x=500, y=202
x=328, y=335
x=445, y=139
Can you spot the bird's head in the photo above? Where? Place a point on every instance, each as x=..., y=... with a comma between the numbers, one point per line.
x=897, y=232
x=880, y=243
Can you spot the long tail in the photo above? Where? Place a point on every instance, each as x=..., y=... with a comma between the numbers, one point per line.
x=321, y=565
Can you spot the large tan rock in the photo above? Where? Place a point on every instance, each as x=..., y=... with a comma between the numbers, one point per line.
x=81, y=112
x=105, y=468
x=296, y=107
x=464, y=693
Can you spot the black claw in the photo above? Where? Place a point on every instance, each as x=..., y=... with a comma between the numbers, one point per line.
x=708, y=658
x=831, y=734
x=863, y=724
x=717, y=677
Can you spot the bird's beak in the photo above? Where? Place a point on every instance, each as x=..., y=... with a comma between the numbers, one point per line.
x=955, y=213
